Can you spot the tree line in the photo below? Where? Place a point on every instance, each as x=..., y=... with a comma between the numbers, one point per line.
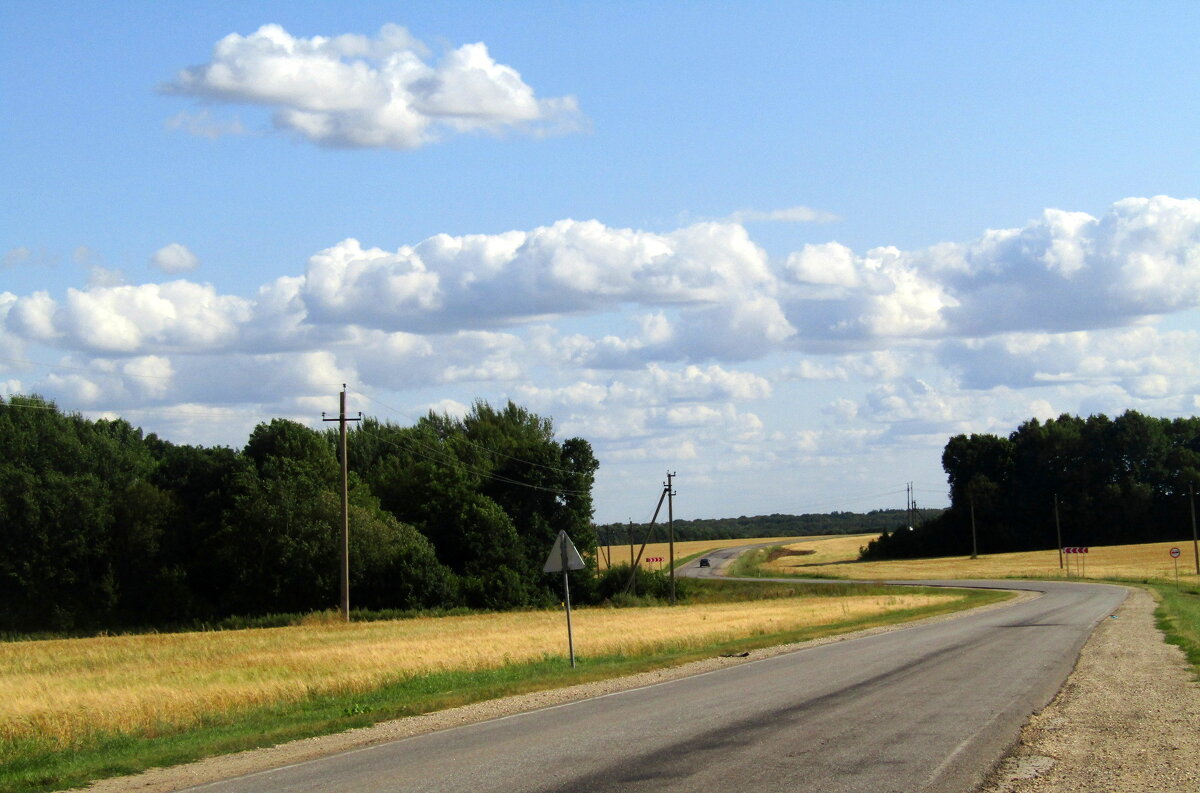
x=104, y=527
x=1114, y=481
x=774, y=525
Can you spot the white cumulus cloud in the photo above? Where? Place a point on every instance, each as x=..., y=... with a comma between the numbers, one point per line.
x=175, y=315
x=358, y=91
x=175, y=258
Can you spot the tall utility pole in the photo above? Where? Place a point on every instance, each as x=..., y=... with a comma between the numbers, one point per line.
x=341, y=419
x=1058, y=532
x=1195, y=543
x=671, y=530
x=974, y=544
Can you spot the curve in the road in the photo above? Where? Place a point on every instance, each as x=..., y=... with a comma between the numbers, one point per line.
x=927, y=708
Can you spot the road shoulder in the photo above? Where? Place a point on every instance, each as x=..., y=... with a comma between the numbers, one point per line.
x=1127, y=719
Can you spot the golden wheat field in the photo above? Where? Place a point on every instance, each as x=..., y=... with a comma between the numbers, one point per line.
x=620, y=553
x=836, y=557
x=66, y=689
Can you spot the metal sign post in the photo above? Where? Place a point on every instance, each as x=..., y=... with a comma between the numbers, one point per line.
x=1175, y=556
x=1072, y=549
x=564, y=557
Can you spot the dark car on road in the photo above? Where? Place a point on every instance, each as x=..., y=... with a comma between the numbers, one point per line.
x=704, y=563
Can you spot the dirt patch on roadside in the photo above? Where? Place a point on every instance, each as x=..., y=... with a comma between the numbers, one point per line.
x=1126, y=721
x=779, y=553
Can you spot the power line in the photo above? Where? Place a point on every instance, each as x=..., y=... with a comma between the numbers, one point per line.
x=470, y=442
x=437, y=456
x=28, y=407
x=130, y=411
x=843, y=500
x=443, y=456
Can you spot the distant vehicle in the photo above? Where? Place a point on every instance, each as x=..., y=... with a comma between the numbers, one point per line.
x=704, y=563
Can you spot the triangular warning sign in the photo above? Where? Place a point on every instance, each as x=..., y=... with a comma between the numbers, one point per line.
x=563, y=556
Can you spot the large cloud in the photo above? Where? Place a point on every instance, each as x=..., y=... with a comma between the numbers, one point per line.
x=178, y=315
x=1064, y=271
x=631, y=337
x=1142, y=360
x=704, y=292
x=359, y=91
x=569, y=267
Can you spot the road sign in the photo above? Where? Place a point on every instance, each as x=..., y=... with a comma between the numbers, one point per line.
x=1175, y=553
x=1075, y=549
x=563, y=556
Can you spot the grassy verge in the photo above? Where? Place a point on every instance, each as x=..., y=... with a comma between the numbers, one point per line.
x=750, y=565
x=41, y=766
x=1178, y=616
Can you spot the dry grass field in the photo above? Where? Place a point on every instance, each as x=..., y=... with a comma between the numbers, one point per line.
x=66, y=690
x=620, y=553
x=835, y=557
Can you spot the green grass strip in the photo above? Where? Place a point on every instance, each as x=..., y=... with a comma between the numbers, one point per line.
x=35, y=767
x=1178, y=616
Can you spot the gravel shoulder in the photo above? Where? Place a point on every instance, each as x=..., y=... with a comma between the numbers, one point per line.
x=1126, y=721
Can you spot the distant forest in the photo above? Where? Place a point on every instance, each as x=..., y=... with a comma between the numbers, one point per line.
x=103, y=527
x=1115, y=481
x=876, y=521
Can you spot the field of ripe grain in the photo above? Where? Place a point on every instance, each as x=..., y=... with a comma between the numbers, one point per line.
x=836, y=558
x=65, y=690
x=620, y=553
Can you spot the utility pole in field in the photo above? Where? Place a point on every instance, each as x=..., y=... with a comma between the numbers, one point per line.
x=634, y=561
x=341, y=419
x=974, y=544
x=1058, y=532
x=671, y=530
x=1195, y=543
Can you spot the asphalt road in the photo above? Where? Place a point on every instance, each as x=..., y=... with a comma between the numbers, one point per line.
x=928, y=708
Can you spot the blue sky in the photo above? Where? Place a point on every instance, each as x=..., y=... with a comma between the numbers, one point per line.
x=784, y=250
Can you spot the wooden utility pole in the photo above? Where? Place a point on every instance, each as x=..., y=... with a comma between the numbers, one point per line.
x=1195, y=543
x=341, y=419
x=1058, y=532
x=974, y=544
x=671, y=530
x=634, y=562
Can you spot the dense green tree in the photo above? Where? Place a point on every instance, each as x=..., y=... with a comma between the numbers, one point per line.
x=1119, y=480
x=74, y=552
x=101, y=527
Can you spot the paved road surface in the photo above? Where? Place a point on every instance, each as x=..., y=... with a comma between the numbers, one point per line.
x=928, y=708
